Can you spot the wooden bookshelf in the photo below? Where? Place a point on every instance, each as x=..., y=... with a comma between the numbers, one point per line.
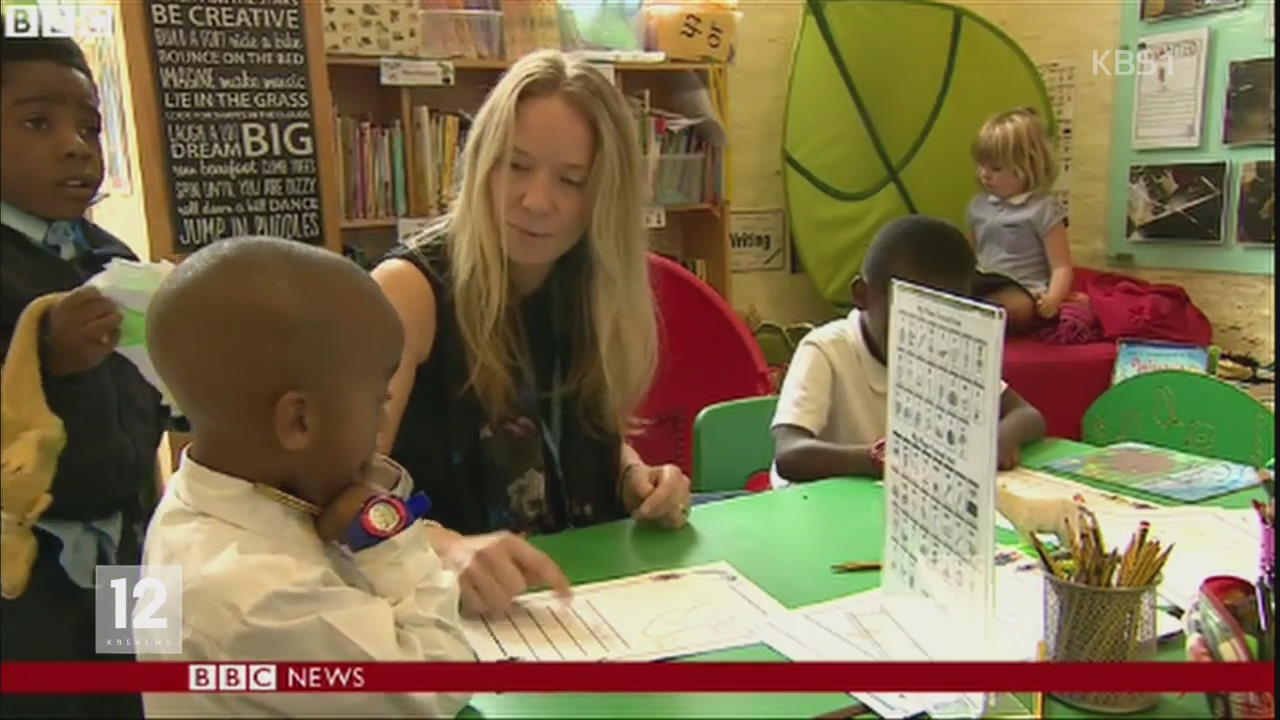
x=692, y=231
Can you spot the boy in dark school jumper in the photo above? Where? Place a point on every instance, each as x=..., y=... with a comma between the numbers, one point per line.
x=50, y=168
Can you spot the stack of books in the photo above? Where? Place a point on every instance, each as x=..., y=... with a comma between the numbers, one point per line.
x=438, y=139
x=371, y=161
x=682, y=166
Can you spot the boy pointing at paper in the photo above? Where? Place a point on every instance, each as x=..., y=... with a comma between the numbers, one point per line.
x=297, y=542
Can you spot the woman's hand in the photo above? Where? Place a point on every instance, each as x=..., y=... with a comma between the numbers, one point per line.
x=493, y=569
x=656, y=494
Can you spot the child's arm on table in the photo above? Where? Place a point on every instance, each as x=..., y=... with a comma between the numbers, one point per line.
x=804, y=403
x=1020, y=423
x=802, y=456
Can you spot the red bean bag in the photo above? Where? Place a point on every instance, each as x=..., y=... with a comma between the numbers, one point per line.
x=1062, y=381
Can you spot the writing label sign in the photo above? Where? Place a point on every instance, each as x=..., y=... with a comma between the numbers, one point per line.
x=236, y=119
x=757, y=240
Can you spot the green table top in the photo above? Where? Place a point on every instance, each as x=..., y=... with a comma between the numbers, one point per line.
x=785, y=541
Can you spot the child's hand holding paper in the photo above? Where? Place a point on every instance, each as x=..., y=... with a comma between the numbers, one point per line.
x=130, y=285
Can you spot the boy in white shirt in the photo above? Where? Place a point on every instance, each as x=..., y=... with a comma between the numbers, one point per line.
x=295, y=541
x=831, y=417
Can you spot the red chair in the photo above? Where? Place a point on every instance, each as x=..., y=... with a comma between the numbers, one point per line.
x=706, y=355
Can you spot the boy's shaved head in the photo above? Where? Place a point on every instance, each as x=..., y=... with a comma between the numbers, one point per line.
x=256, y=335
x=915, y=248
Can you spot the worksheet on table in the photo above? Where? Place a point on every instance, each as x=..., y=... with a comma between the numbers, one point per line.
x=646, y=617
x=861, y=628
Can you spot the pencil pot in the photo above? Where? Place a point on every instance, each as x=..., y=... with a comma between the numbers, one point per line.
x=1103, y=625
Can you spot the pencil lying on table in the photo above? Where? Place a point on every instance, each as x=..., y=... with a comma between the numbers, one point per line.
x=855, y=566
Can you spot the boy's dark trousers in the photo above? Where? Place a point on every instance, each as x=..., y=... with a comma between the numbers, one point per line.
x=53, y=621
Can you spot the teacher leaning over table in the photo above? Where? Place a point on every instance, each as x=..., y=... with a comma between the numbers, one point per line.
x=530, y=335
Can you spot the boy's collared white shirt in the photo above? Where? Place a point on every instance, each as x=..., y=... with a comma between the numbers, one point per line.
x=259, y=585
x=835, y=388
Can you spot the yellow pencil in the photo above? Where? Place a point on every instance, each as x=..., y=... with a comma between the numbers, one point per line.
x=1042, y=652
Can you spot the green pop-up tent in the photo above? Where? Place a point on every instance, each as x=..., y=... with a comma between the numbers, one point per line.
x=884, y=100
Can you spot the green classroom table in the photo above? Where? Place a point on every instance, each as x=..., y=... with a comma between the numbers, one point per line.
x=785, y=541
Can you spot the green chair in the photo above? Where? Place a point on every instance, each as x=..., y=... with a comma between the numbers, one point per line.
x=732, y=442
x=1186, y=411
x=775, y=343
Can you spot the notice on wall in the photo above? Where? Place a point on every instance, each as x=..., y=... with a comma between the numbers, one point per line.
x=1169, y=92
x=1060, y=83
x=235, y=103
x=757, y=240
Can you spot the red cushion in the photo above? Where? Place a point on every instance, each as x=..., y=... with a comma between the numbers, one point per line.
x=707, y=355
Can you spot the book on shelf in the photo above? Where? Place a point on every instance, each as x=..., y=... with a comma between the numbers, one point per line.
x=371, y=163
x=683, y=167
x=438, y=139
x=697, y=266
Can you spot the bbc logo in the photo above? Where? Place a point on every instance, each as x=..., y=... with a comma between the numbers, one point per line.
x=231, y=677
x=50, y=20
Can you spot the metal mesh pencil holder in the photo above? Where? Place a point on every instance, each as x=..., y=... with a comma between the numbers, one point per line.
x=1084, y=623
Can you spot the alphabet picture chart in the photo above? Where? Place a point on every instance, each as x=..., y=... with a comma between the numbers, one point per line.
x=940, y=465
x=236, y=105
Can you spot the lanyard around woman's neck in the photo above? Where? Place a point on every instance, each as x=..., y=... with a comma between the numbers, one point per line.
x=552, y=428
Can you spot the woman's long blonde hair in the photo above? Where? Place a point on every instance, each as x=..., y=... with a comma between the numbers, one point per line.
x=609, y=303
x=1018, y=140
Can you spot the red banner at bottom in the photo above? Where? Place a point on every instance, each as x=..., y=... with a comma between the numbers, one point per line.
x=120, y=677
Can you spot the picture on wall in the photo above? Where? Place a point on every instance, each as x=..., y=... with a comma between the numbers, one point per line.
x=1180, y=202
x=1251, y=103
x=1256, y=217
x=1166, y=9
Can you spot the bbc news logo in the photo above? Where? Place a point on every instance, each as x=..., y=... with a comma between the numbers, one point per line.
x=1131, y=62
x=48, y=20
x=137, y=610
x=270, y=677
x=231, y=677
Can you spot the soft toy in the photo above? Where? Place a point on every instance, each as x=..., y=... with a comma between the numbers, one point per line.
x=31, y=439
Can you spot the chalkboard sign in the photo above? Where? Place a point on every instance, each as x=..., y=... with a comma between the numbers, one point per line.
x=236, y=117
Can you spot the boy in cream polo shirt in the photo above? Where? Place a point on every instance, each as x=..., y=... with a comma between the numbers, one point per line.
x=831, y=416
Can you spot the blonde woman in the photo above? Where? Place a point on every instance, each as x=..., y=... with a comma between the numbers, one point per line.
x=530, y=336
x=1017, y=228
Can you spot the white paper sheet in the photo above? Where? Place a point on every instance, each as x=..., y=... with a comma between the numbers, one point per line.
x=130, y=285
x=646, y=617
x=862, y=628
x=1168, y=105
x=869, y=627
x=944, y=398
